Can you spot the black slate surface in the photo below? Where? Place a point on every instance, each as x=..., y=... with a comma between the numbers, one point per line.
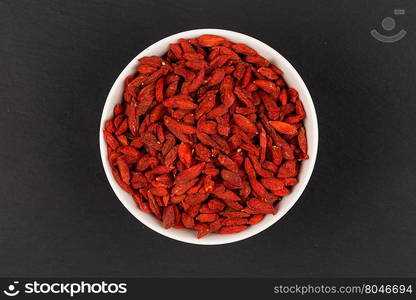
x=58, y=214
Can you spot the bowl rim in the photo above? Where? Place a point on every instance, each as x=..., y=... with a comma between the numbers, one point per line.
x=225, y=239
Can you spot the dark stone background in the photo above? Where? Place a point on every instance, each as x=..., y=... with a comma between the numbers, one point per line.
x=58, y=214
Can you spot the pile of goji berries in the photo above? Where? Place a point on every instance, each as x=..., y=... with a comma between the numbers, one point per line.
x=207, y=137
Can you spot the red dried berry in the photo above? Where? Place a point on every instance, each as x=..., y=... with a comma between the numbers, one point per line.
x=207, y=137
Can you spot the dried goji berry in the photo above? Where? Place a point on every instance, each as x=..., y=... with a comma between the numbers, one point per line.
x=288, y=169
x=231, y=229
x=168, y=217
x=245, y=124
x=284, y=128
x=180, y=101
x=207, y=218
x=261, y=206
x=244, y=49
x=234, y=221
x=124, y=169
x=189, y=173
x=210, y=40
x=228, y=163
x=208, y=137
x=185, y=154
x=232, y=178
x=302, y=140
x=187, y=221
x=255, y=219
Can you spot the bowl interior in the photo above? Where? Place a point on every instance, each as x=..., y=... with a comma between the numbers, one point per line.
x=293, y=80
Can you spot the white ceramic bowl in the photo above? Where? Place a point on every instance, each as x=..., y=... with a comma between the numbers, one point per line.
x=293, y=80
